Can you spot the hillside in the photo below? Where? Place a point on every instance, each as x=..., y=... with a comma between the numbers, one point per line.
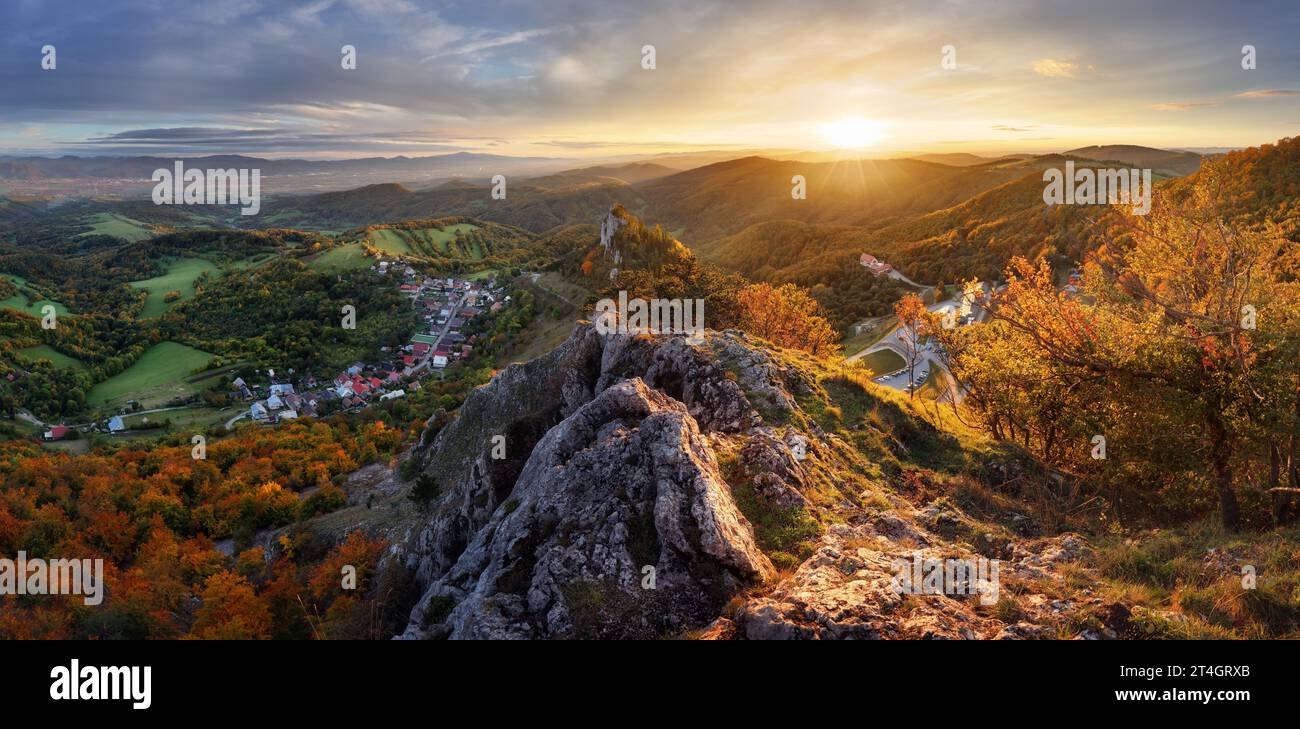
x=1161, y=161
x=767, y=494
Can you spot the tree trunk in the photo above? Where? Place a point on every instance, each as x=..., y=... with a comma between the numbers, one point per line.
x=1221, y=468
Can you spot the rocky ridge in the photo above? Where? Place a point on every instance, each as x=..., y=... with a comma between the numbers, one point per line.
x=617, y=509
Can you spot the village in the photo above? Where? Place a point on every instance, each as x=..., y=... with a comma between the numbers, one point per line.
x=446, y=306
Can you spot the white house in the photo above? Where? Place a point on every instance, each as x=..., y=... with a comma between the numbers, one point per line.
x=392, y=395
x=257, y=411
x=115, y=424
x=439, y=361
x=281, y=389
x=274, y=403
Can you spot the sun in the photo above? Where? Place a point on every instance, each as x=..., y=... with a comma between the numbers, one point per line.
x=852, y=132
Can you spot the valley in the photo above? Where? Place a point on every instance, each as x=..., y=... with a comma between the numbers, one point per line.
x=770, y=474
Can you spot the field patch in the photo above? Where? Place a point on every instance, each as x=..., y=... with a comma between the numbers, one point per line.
x=57, y=358
x=21, y=302
x=180, y=276
x=346, y=257
x=883, y=361
x=428, y=242
x=162, y=373
x=117, y=226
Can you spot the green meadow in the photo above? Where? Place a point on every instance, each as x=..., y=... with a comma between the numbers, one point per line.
x=422, y=241
x=341, y=258
x=180, y=276
x=20, y=302
x=57, y=358
x=117, y=226
x=163, y=372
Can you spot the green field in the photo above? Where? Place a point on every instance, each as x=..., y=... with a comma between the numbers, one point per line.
x=422, y=241
x=186, y=418
x=180, y=276
x=162, y=373
x=342, y=258
x=882, y=361
x=20, y=302
x=57, y=358
x=117, y=226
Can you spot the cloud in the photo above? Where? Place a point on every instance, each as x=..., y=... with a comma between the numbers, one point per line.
x=1053, y=68
x=1265, y=93
x=1183, y=105
x=1009, y=128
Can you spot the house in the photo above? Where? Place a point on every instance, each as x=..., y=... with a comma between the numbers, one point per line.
x=392, y=395
x=874, y=265
x=282, y=390
x=439, y=361
x=286, y=415
x=58, y=432
x=274, y=403
x=257, y=411
x=115, y=424
x=239, y=383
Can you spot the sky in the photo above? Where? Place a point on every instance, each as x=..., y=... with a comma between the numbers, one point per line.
x=565, y=78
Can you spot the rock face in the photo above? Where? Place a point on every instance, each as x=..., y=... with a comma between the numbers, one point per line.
x=607, y=517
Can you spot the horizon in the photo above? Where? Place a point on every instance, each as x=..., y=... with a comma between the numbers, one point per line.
x=431, y=78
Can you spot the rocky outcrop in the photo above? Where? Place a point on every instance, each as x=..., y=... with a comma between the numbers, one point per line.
x=619, y=503
x=608, y=486
x=608, y=513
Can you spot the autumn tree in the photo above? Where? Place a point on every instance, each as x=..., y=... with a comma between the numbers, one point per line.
x=912, y=331
x=786, y=316
x=1180, y=352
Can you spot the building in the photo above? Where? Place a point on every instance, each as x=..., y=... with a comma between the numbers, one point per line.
x=874, y=265
x=115, y=424
x=257, y=411
x=58, y=432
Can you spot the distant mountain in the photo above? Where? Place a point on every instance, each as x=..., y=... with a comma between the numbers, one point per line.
x=718, y=200
x=1170, y=163
x=46, y=174
x=955, y=159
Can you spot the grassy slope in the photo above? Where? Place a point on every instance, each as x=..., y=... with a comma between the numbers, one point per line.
x=56, y=357
x=118, y=226
x=20, y=302
x=159, y=375
x=180, y=276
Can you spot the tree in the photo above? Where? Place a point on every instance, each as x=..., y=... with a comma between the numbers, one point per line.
x=1181, y=352
x=786, y=316
x=231, y=610
x=912, y=330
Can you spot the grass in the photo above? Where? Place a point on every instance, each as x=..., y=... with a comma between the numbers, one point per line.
x=57, y=358
x=423, y=241
x=187, y=418
x=1179, y=593
x=858, y=342
x=161, y=374
x=883, y=361
x=20, y=302
x=118, y=227
x=342, y=258
x=180, y=276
